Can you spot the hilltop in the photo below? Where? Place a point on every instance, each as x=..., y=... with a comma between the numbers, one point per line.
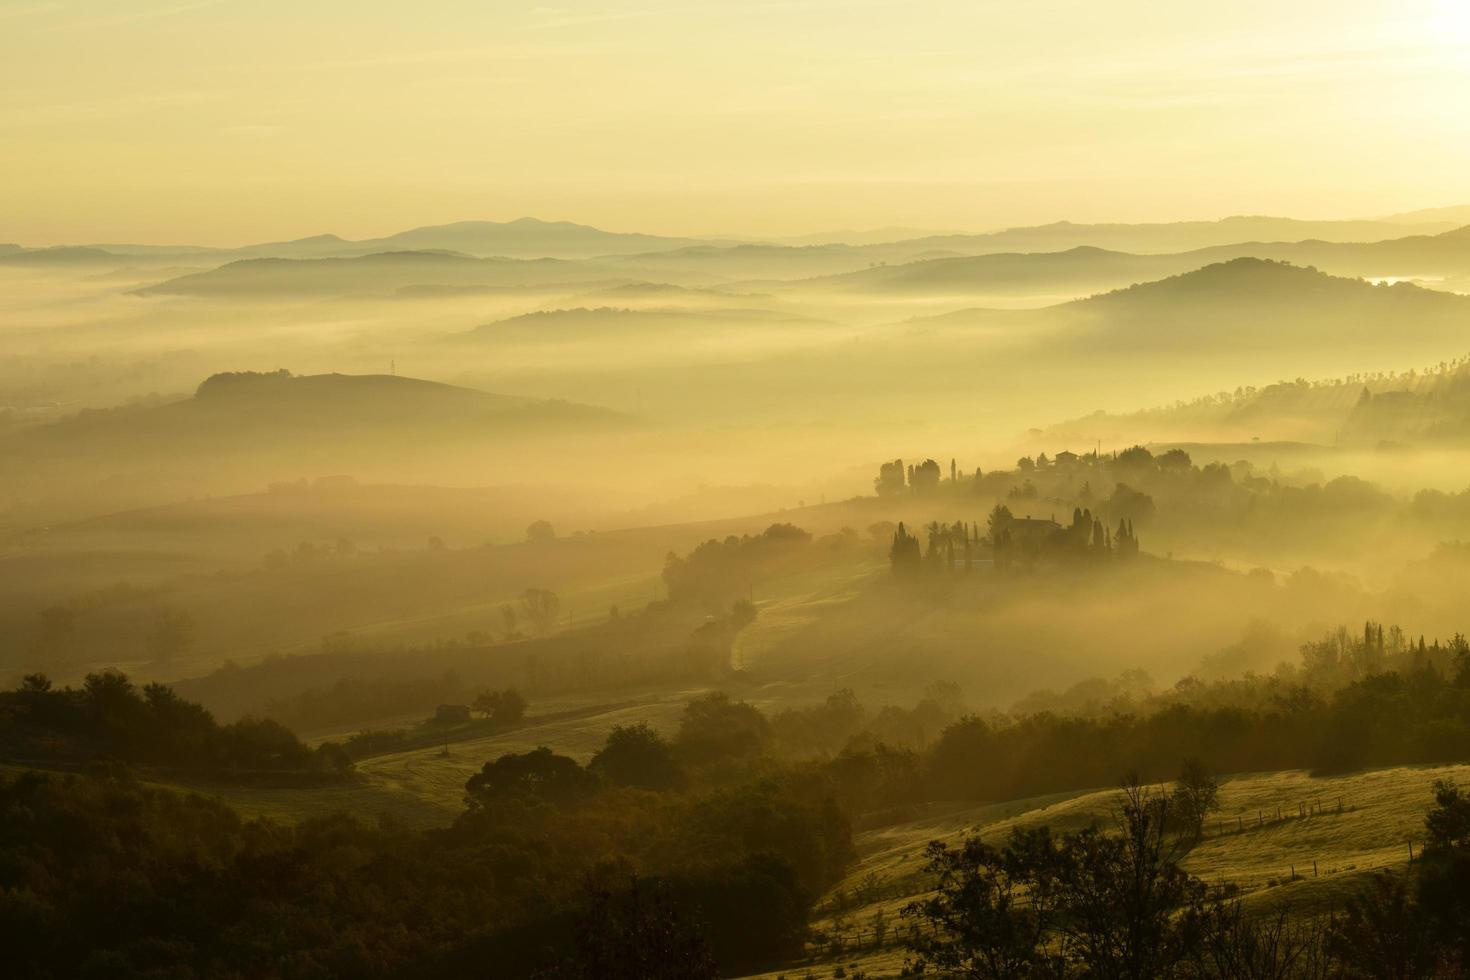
x=239, y=431
x=1248, y=301
x=278, y=408
x=585, y=322
x=1259, y=301
x=377, y=274
x=525, y=238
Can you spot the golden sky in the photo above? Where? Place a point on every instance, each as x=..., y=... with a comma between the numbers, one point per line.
x=228, y=121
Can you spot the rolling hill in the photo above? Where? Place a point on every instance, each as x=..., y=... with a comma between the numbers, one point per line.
x=251, y=410
x=1082, y=269
x=240, y=431
x=1249, y=302
x=1305, y=862
x=61, y=256
x=594, y=322
x=737, y=263
x=378, y=274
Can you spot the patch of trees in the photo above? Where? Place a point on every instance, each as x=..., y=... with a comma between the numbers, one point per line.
x=109, y=717
x=499, y=710
x=718, y=572
x=1008, y=541
x=1169, y=490
x=921, y=479
x=505, y=707
x=696, y=856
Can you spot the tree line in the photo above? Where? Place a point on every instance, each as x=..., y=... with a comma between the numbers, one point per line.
x=110, y=717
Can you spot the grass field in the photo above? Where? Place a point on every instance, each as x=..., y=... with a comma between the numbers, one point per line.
x=438, y=779
x=1382, y=812
x=425, y=787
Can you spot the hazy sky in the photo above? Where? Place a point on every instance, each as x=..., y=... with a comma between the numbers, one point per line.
x=226, y=121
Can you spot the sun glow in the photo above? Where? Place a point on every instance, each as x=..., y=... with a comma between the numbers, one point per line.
x=1451, y=22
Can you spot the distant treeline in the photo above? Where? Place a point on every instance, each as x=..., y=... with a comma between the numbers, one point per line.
x=1374, y=698
x=108, y=717
x=1370, y=698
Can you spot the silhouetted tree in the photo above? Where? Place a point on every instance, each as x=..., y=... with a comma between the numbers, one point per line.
x=502, y=707
x=1196, y=796
x=715, y=728
x=986, y=919
x=1092, y=903
x=636, y=755
x=903, y=554
x=536, y=775
x=998, y=523
x=891, y=480
x=925, y=477
x=1384, y=935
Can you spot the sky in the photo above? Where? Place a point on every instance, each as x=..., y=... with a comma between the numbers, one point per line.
x=223, y=122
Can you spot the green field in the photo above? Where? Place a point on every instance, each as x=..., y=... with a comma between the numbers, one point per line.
x=1382, y=812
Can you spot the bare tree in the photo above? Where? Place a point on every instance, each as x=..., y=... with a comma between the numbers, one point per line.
x=541, y=607
x=1196, y=796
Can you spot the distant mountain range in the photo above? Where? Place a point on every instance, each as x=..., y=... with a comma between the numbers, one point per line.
x=586, y=323
x=1430, y=258
x=1178, y=236
x=381, y=274
x=530, y=238
x=525, y=238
